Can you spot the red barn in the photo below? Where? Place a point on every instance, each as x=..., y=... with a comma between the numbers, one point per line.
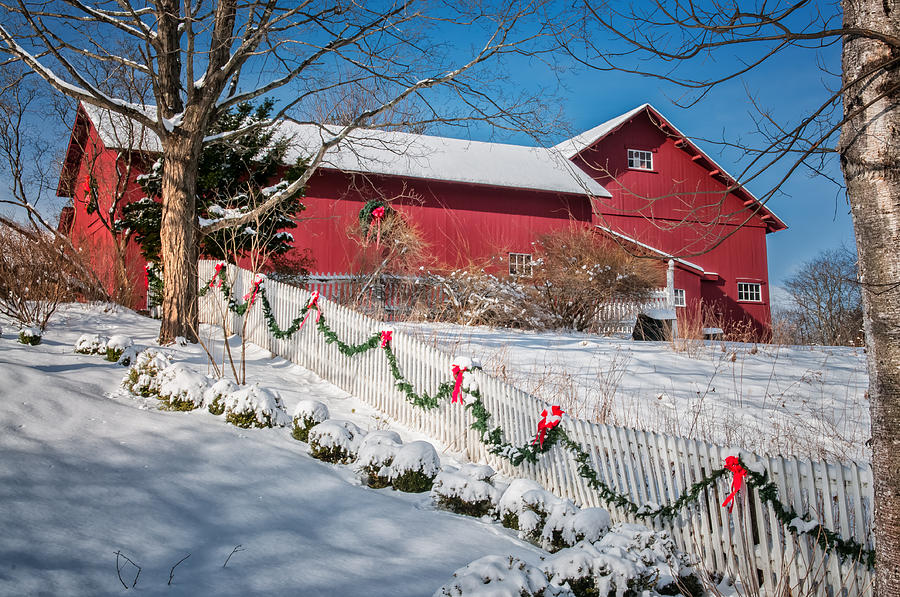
x=635, y=178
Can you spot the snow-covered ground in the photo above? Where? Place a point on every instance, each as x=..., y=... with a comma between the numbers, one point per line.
x=87, y=471
x=800, y=400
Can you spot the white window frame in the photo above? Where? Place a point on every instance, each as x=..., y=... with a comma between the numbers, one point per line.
x=520, y=264
x=640, y=159
x=749, y=292
x=680, y=298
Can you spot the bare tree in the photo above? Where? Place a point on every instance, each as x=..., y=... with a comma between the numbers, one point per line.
x=856, y=122
x=827, y=303
x=200, y=58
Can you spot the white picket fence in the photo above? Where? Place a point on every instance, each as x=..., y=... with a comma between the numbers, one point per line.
x=749, y=543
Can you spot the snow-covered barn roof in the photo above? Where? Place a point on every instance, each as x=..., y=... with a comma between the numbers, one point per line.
x=391, y=153
x=570, y=148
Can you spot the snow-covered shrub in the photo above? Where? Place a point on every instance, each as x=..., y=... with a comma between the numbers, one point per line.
x=181, y=388
x=128, y=356
x=415, y=466
x=500, y=576
x=588, y=524
x=466, y=491
x=517, y=505
x=30, y=334
x=307, y=414
x=253, y=406
x=376, y=454
x=629, y=560
x=560, y=514
x=214, y=396
x=143, y=376
x=116, y=345
x=335, y=441
x=91, y=344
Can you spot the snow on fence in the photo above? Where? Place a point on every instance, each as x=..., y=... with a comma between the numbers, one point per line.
x=749, y=543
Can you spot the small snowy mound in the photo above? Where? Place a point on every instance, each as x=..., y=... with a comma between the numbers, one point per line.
x=181, y=388
x=116, y=345
x=253, y=406
x=30, y=334
x=630, y=559
x=91, y=344
x=308, y=414
x=335, y=441
x=560, y=515
x=376, y=454
x=588, y=524
x=468, y=494
x=479, y=472
x=415, y=466
x=143, y=377
x=500, y=576
x=516, y=507
x=214, y=396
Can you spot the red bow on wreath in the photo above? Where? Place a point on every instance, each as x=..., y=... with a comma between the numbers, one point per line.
x=544, y=426
x=252, y=294
x=377, y=216
x=385, y=338
x=216, y=281
x=734, y=465
x=458, y=374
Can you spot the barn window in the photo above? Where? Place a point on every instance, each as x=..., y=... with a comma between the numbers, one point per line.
x=749, y=291
x=679, y=298
x=520, y=264
x=640, y=160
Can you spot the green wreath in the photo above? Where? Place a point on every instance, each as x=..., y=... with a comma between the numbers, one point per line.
x=365, y=214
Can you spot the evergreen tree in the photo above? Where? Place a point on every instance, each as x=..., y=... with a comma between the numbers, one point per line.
x=234, y=176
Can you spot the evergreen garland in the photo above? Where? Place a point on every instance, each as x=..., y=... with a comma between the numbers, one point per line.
x=767, y=490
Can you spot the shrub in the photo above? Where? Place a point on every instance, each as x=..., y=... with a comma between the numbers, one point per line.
x=475, y=297
x=577, y=271
x=143, y=376
x=376, y=454
x=253, y=406
x=214, y=397
x=500, y=575
x=181, y=388
x=414, y=468
x=629, y=560
x=307, y=414
x=116, y=346
x=335, y=441
x=30, y=334
x=467, y=491
x=91, y=344
x=559, y=515
x=513, y=503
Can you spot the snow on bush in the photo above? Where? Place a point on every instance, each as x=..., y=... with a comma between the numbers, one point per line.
x=376, y=454
x=143, y=376
x=30, y=334
x=335, y=441
x=500, y=576
x=214, y=396
x=415, y=466
x=253, y=406
x=116, y=345
x=523, y=507
x=91, y=344
x=560, y=514
x=128, y=356
x=181, y=388
x=466, y=491
x=307, y=414
x=629, y=560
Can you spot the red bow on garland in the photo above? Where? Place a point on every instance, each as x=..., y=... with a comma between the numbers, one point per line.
x=544, y=425
x=313, y=304
x=458, y=374
x=385, y=338
x=733, y=464
x=216, y=281
x=252, y=294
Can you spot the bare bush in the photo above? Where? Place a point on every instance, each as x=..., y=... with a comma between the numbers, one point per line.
x=37, y=273
x=576, y=272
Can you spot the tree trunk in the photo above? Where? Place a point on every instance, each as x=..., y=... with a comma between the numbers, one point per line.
x=870, y=159
x=179, y=238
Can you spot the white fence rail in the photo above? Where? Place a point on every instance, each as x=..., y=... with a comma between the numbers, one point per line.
x=750, y=543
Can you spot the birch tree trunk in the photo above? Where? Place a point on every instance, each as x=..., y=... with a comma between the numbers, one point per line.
x=870, y=159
